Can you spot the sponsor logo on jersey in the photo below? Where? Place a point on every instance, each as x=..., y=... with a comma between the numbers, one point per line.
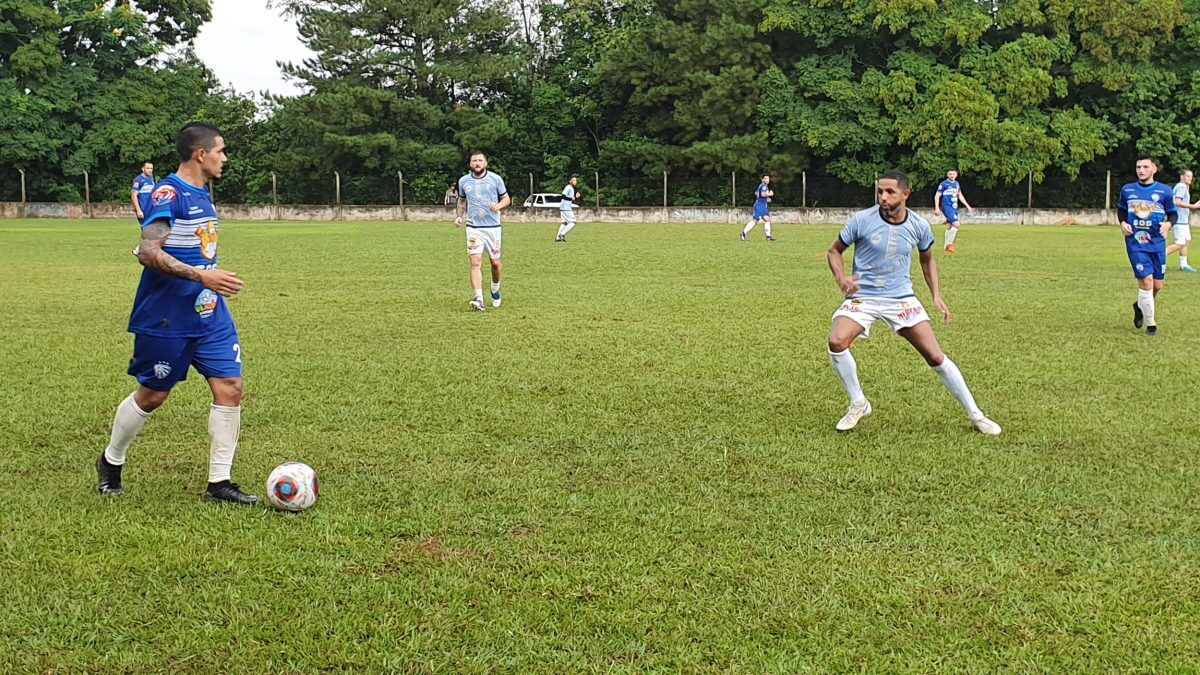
x=165, y=194
x=206, y=303
x=162, y=369
x=208, y=239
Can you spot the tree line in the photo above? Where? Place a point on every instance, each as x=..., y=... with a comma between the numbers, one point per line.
x=1059, y=91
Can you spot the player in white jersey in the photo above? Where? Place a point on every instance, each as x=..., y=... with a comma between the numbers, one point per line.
x=883, y=238
x=1182, y=228
x=566, y=210
x=482, y=195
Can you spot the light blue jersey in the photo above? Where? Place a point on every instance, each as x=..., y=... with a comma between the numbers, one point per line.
x=568, y=198
x=883, y=252
x=481, y=194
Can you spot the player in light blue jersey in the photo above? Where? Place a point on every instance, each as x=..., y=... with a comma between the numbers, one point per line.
x=883, y=238
x=566, y=209
x=139, y=194
x=762, y=211
x=945, y=203
x=179, y=318
x=1146, y=210
x=482, y=196
x=1183, y=227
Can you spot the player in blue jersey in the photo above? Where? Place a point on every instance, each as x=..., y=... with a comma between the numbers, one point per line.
x=179, y=318
x=762, y=211
x=566, y=209
x=945, y=203
x=883, y=238
x=139, y=194
x=482, y=197
x=1146, y=210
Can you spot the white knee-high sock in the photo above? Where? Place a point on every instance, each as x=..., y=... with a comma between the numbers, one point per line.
x=128, y=421
x=952, y=378
x=749, y=226
x=224, y=426
x=767, y=227
x=567, y=228
x=560, y=229
x=951, y=233
x=1146, y=304
x=847, y=370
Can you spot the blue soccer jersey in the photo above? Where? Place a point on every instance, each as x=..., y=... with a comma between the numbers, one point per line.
x=883, y=252
x=948, y=195
x=143, y=185
x=762, y=201
x=1146, y=208
x=481, y=194
x=167, y=306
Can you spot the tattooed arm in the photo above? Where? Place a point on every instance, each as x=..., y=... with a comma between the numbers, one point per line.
x=152, y=256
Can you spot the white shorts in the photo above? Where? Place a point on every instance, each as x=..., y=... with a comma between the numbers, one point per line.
x=568, y=215
x=480, y=239
x=1183, y=233
x=898, y=314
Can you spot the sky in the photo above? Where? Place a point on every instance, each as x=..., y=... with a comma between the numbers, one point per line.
x=244, y=41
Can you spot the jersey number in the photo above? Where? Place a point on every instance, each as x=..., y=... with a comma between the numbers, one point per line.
x=237, y=351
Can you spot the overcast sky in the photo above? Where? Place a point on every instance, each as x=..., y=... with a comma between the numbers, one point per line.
x=244, y=41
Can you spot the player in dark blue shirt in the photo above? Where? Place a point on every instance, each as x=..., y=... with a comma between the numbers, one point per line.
x=179, y=317
x=762, y=209
x=1146, y=210
x=143, y=185
x=945, y=203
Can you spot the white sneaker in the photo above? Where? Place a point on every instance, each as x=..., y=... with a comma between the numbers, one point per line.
x=856, y=412
x=986, y=426
x=478, y=306
x=496, y=299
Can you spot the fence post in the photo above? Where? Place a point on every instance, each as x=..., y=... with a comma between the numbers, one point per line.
x=337, y=188
x=804, y=189
x=664, y=189
x=530, y=183
x=1108, y=190
x=87, y=194
x=22, y=192
x=274, y=190
x=403, y=212
x=1030, y=200
x=733, y=195
x=597, y=189
x=875, y=187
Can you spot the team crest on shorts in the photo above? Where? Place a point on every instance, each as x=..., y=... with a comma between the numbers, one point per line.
x=162, y=369
x=165, y=194
x=1140, y=267
x=206, y=303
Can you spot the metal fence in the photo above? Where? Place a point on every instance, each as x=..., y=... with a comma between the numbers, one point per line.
x=1094, y=189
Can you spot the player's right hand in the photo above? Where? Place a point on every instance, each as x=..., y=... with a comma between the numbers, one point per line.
x=140, y=215
x=458, y=221
x=1127, y=229
x=222, y=281
x=849, y=285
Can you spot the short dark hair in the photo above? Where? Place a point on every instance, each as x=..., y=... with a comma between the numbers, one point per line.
x=195, y=136
x=477, y=152
x=899, y=176
x=1148, y=158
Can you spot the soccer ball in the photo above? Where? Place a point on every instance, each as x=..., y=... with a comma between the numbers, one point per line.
x=292, y=486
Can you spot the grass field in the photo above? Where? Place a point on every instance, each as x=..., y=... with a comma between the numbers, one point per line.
x=631, y=466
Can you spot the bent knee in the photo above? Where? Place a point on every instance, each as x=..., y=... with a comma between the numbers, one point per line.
x=839, y=344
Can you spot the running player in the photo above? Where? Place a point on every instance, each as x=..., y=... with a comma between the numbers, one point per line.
x=566, y=210
x=139, y=194
x=945, y=203
x=1182, y=229
x=1146, y=210
x=883, y=238
x=482, y=196
x=180, y=319
x=762, y=197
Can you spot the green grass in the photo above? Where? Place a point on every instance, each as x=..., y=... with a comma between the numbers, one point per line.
x=631, y=466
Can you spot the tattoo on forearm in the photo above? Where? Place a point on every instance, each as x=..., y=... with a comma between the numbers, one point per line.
x=151, y=255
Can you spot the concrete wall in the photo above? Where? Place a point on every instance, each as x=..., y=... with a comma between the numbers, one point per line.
x=608, y=214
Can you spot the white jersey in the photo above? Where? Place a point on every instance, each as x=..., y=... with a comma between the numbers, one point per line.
x=568, y=198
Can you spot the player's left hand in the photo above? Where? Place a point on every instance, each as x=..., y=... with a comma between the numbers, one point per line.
x=941, y=307
x=1164, y=228
x=970, y=210
x=495, y=208
x=458, y=221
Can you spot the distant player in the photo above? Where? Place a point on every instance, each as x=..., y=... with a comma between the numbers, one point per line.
x=1182, y=229
x=180, y=319
x=1146, y=210
x=143, y=185
x=883, y=238
x=945, y=203
x=482, y=196
x=762, y=198
x=566, y=209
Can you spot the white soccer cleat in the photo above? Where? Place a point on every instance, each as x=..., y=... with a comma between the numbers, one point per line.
x=477, y=305
x=496, y=299
x=986, y=426
x=856, y=412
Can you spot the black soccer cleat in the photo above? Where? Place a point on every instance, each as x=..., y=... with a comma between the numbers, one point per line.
x=109, y=476
x=228, y=492
x=1137, y=316
x=1151, y=330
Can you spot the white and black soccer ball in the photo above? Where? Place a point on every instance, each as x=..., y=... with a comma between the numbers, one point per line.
x=292, y=486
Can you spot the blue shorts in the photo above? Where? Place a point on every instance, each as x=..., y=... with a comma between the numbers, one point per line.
x=951, y=215
x=159, y=363
x=761, y=211
x=1148, y=263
